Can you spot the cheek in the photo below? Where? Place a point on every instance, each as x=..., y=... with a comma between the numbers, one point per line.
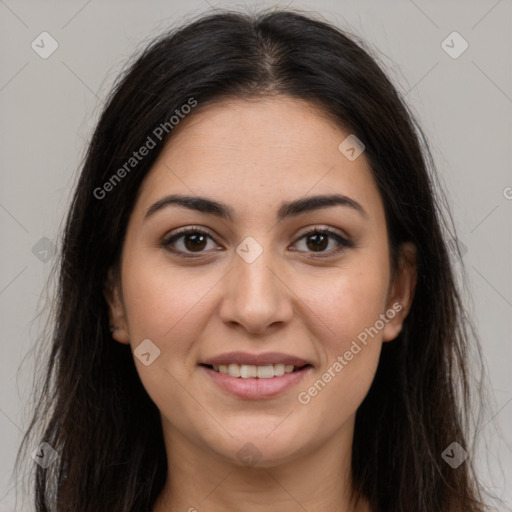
x=346, y=303
x=167, y=307
x=345, y=315
x=359, y=302
x=160, y=300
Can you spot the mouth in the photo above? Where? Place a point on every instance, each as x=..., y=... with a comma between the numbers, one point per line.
x=248, y=371
x=270, y=375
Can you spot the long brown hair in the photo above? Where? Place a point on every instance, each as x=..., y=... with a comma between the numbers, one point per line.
x=91, y=406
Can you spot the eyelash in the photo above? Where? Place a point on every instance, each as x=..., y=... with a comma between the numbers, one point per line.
x=344, y=243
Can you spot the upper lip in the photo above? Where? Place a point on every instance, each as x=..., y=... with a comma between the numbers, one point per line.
x=255, y=359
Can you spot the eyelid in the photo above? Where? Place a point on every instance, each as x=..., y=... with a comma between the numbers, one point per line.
x=324, y=228
x=188, y=229
x=178, y=233
x=343, y=240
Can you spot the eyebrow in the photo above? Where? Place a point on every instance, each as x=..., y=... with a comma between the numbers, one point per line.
x=286, y=210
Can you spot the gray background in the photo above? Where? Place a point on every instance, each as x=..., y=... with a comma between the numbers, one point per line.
x=49, y=107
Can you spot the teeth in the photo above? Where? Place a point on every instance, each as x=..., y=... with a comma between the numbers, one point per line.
x=234, y=370
x=247, y=371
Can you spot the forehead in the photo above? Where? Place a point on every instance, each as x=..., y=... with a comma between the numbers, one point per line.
x=259, y=151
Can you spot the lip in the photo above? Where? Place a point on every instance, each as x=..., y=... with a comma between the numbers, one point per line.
x=256, y=359
x=255, y=388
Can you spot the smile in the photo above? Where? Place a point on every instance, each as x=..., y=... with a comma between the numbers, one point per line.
x=247, y=371
x=251, y=382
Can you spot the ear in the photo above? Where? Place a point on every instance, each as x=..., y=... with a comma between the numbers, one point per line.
x=117, y=314
x=401, y=292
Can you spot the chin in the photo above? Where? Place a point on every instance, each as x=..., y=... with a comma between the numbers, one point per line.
x=261, y=449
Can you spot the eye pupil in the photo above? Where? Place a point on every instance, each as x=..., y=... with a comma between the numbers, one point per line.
x=317, y=236
x=195, y=237
x=194, y=242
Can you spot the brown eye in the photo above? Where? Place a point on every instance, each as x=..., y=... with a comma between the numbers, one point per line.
x=194, y=241
x=188, y=242
x=318, y=240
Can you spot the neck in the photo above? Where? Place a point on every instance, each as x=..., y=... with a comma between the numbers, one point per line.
x=200, y=480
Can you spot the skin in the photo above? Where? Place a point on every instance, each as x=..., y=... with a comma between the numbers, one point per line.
x=252, y=155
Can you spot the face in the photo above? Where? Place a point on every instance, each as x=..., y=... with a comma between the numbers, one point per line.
x=260, y=283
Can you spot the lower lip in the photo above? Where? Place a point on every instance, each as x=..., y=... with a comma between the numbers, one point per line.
x=254, y=388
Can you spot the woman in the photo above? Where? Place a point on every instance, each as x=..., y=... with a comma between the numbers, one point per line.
x=256, y=305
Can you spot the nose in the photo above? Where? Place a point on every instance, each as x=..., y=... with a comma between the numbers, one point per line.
x=256, y=295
